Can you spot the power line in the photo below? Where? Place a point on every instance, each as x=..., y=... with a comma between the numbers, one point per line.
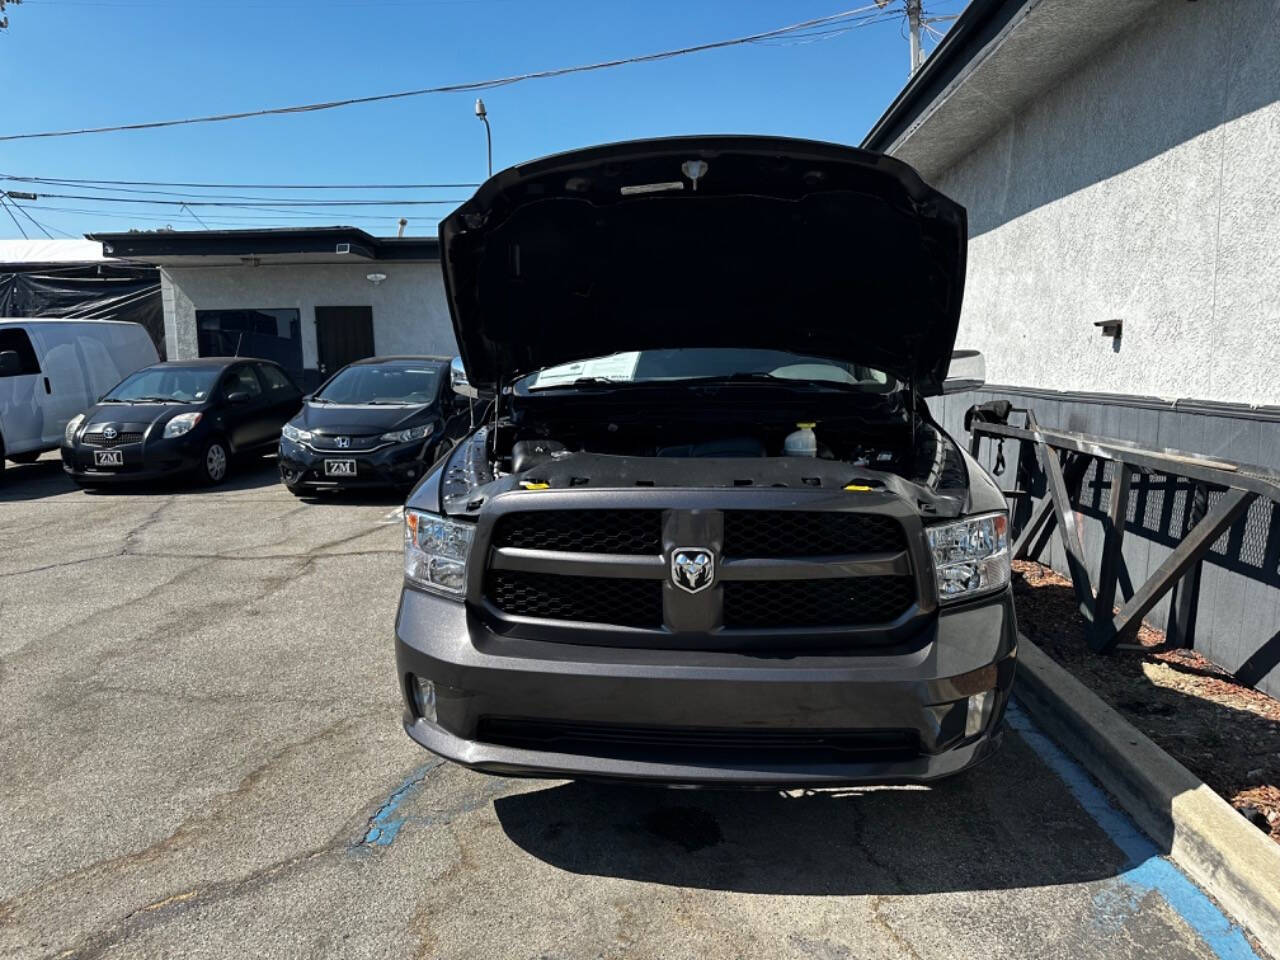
x=72, y=181
x=291, y=217
x=472, y=86
x=14, y=219
x=22, y=210
x=271, y=200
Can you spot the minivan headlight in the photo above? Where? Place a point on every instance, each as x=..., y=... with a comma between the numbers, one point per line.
x=435, y=552
x=970, y=557
x=413, y=433
x=73, y=425
x=182, y=424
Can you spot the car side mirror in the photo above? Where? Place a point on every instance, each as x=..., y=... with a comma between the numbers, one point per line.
x=10, y=363
x=458, y=380
x=968, y=371
x=237, y=397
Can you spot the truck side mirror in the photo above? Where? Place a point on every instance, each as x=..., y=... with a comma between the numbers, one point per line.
x=968, y=371
x=10, y=363
x=458, y=380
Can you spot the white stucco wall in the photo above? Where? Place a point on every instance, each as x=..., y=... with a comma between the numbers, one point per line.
x=1146, y=187
x=410, y=314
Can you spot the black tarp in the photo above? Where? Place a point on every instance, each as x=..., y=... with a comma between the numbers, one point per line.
x=85, y=291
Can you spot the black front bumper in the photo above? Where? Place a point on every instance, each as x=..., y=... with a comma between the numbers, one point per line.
x=149, y=460
x=522, y=707
x=395, y=465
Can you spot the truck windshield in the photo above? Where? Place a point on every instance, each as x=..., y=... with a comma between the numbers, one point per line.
x=412, y=382
x=165, y=384
x=709, y=363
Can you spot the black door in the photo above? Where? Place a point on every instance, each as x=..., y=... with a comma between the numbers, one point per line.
x=343, y=334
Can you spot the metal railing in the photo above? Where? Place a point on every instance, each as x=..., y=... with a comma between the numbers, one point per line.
x=1065, y=456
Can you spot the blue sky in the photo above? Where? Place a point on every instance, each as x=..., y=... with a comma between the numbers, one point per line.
x=76, y=63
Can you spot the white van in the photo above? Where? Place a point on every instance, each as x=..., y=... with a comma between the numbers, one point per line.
x=50, y=370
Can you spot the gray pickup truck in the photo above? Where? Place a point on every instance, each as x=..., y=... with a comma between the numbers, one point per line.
x=709, y=533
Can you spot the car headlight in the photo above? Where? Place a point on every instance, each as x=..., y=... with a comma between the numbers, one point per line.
x=72, y=426
x=291, y=432
x=183, y=423
x=435, y=552
x=970, y=557
x=413, y=433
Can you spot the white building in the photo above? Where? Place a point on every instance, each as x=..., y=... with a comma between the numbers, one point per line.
x=1119, y=161
x=311, y=298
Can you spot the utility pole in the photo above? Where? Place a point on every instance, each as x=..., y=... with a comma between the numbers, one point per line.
x=913, y=26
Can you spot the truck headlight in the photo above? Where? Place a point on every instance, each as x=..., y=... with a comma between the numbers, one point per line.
x=73, y=425
x=182, y=424
x=413, y=433
x=435, y=552
x=970, y=557
x=290, y=432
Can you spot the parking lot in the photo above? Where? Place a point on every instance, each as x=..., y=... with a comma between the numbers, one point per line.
x=200, y=755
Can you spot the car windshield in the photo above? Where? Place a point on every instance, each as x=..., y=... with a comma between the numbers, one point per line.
x=166, y=384
x=710, y=363
x=402, y=382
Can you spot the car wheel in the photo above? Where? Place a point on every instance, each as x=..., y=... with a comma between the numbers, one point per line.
x=214, y=462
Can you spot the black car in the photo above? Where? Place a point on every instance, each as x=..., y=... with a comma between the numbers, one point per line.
x=711, y=532
x=181, y=416
x=379, y=422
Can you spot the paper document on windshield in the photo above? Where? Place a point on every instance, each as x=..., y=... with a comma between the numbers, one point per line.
x=617, y=366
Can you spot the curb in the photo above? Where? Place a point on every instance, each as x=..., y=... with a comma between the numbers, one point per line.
x=1231, y=859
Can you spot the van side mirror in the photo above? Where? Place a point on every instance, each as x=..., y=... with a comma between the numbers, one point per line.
x=10, y=363
x=458, y=380
x=968, y=371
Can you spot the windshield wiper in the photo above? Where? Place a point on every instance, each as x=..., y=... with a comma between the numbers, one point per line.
x=583, y=382
x=758, y=377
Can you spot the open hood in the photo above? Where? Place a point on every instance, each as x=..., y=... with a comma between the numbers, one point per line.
x=760, y=242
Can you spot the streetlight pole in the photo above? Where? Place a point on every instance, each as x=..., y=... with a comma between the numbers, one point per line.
x=483, y=115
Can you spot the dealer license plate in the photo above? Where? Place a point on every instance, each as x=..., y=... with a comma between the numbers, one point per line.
x=108, y=458
x=339, y=468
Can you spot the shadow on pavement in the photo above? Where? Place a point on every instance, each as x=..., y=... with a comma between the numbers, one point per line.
x=246, y=473
x=34, y=481
x=1008, y=824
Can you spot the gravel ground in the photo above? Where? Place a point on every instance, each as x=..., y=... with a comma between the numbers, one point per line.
x=201, y=756
x=1225, y=733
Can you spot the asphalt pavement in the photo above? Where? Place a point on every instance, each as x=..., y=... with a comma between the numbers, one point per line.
x=201, y=756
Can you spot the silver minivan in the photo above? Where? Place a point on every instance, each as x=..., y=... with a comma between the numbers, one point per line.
x=51, y=370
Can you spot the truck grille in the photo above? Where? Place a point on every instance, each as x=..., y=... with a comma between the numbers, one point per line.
x=795, y=533
x=550, y=596
x=784, y=584
x=700, y=745
x=628, y=532
x=119, y=440
x=844, y=602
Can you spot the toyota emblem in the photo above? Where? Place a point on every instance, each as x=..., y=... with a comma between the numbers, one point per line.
x=109, y=433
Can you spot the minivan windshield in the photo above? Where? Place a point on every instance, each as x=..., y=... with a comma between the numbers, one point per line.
x=165, y=384
x=409, y=382
x=709, y=363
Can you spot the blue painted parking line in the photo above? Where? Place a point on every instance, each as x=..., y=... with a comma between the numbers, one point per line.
x=387, y=821
x=1145, y=869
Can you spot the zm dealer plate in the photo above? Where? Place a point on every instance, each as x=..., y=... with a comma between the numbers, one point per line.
x=339, y=468
x=108, y=458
